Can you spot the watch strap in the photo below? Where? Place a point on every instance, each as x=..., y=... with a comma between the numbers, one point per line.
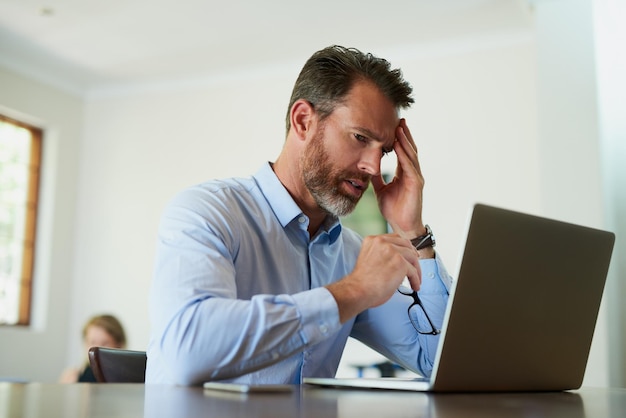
x=424, y=241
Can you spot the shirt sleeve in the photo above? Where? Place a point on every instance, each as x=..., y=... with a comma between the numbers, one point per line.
x=388, y=329
x=193, y=297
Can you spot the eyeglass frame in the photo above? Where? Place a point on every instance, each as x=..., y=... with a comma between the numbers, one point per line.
x=406, y=291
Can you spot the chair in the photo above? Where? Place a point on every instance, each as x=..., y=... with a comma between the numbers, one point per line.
x=114, y=365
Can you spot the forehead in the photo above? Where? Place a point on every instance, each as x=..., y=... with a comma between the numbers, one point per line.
x=95, y=331
x=366, y=109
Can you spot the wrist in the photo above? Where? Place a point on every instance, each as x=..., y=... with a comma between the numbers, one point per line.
x=426, y=253
x=426, y=240
x=350, y=301
x=418, y=232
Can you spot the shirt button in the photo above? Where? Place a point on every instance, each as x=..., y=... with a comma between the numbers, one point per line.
x=323, y=329
x=302, y=219
x=431, y=275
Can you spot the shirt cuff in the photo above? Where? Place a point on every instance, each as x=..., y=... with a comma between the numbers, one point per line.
x=435, y=279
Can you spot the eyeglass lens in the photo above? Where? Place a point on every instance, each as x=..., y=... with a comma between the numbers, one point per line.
x=417, y=314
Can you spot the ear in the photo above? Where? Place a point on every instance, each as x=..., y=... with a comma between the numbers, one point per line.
x=302, y=117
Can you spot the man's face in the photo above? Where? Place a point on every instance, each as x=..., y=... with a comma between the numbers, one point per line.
x=324, y=181
x=345, y=152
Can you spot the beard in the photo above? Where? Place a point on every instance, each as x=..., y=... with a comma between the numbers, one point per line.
x=324, y=182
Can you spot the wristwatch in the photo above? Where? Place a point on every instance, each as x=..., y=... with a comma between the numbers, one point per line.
x=424, y=241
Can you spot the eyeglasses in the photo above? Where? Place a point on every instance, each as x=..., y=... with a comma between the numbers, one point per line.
x=417, y=314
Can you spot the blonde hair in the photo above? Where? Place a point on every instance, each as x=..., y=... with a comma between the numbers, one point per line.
x=111, y=325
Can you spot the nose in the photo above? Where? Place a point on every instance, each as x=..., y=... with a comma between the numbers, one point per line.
x=370, y=161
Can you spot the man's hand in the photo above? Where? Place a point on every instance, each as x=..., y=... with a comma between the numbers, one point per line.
x=400, y=201
x=383, y=263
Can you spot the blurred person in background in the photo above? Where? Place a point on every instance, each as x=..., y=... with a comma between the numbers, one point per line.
x=100, y=331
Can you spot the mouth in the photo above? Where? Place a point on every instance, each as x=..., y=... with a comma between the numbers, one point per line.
x=356, y=187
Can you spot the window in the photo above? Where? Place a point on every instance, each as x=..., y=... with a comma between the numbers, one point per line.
x=20, y=158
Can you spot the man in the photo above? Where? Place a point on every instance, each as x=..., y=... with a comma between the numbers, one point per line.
x=256, y=281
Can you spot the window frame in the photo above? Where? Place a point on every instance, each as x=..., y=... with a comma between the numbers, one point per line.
x=24, y=313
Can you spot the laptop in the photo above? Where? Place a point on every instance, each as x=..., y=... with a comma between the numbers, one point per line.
x=522, y=312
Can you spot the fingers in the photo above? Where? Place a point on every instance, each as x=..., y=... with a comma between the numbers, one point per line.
x=405, y=148
x=404, y=130
x=383, y=263
x=414, y=271
x=389, y=258
x=415, y=279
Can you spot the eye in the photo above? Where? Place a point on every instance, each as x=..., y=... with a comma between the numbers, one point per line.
x=365, y=140
x=360, y=138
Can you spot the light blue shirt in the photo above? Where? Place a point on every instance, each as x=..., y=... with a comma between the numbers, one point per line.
x=238, y=291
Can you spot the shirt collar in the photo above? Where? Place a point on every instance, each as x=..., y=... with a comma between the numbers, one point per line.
x=283, y=205
x=276, y=194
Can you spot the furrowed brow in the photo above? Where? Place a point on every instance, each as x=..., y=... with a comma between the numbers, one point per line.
x=387, y=145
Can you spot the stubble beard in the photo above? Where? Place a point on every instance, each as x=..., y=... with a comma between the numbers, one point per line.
x=324, y=182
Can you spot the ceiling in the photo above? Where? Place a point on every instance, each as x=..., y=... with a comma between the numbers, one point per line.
x=83, y=45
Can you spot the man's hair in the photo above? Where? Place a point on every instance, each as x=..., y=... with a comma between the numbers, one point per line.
x=330, y=73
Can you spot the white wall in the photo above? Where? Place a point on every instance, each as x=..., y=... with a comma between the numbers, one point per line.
x=475, y=121
x=38, y=352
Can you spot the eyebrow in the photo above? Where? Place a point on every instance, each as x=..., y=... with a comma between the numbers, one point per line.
x=376, y=138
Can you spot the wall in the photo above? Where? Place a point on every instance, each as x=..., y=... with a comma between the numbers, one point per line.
x=39, y=352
